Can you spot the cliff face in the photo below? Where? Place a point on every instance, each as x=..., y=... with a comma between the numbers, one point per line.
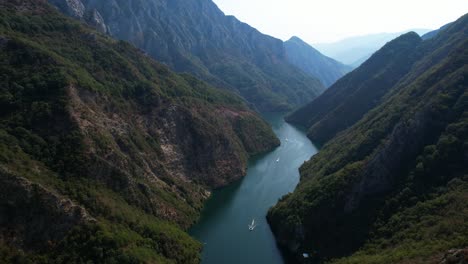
x=197, y=37
x=389, y=184
x=114, y=150
x=191, y=142
x=76, y=9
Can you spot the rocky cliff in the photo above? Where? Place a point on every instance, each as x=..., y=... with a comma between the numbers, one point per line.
x=113, y=149
x=197, y=37
x=389, y=188
x=76, y=9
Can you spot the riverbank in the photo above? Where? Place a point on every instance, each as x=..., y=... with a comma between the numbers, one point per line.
x=223, y=226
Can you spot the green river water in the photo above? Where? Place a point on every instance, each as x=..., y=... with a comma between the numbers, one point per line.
x=223, y=226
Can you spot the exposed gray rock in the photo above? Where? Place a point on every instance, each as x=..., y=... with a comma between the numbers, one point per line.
x=190, y=154
x=76, y=9
x=456, y=256
x=94, y=19
x=73, y=8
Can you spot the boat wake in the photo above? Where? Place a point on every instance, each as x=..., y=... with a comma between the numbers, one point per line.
x=252, y=225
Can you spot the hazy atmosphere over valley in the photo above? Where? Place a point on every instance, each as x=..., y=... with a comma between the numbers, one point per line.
x=222, y=131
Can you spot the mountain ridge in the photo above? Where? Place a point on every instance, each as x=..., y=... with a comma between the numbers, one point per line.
x=198, y=38
x=389, y=188
x=351, y=97
x=311, y=61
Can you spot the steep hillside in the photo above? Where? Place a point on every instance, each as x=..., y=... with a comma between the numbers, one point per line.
x=196, y=37
x=350, y=98
x=106, y=155
x=393, y=187
x=311, y=61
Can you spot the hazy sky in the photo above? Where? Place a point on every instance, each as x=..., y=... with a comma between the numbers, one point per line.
x=318, y=21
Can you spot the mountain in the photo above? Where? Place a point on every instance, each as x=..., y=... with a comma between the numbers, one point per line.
x=433, y=33
x=360, y=61
x=351, y=97
x=355, y=50
x=197, y=37
x=392, y=188
x=107, y=156
x=311, y=61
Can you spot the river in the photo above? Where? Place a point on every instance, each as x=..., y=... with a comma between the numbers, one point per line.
x=223, y=226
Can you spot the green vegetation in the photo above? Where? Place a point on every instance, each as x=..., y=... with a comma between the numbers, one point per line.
x=196, y=37
x=351, y=97
x=393, y=187
x=122, y=233
x=93, y=122
x=311, y=61
x=420, y=233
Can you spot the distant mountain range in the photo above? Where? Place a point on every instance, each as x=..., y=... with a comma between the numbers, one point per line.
x=313, y=62
x=390, y=183
x=196, y=37
x=355, y=50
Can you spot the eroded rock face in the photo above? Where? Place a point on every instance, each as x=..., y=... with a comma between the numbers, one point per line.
x=76, y=9
x=31, y=215
x=455, y=256
x=187, y=149
x=94, y=18
x=195, y=145
x=195, y=155
x=73, y=8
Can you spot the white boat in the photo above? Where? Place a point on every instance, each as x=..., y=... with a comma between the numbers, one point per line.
x=252, y=225
x=277, y=160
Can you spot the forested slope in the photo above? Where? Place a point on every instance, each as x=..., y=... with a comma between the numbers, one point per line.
x=105, y=154
x=393, y=187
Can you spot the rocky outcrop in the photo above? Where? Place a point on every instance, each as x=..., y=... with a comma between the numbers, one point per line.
x=76, y=9
x=32, y=216
x=193, y=147
x=94, y=19
x=73, y=8
x=455, y=256
x=192, y=154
